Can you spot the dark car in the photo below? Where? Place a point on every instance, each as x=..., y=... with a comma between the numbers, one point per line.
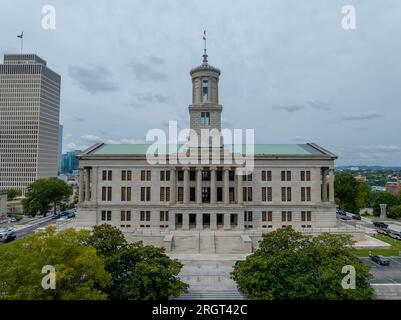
x=341, y=212
x=345, y=218
x=383, y=231
x=7, y=236
x=380, y=260
x=395, y=235
x=64, y=213
x=379, y=224
x=71, y=214
x=56, y=216
x=356, y=217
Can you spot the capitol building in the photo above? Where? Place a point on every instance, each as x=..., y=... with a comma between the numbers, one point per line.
x=288, y=185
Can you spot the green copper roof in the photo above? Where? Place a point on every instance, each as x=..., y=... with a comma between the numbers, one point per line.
x=259, y=149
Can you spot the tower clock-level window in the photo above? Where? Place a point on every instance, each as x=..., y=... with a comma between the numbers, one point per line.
x=205, y=118
x=205, y=90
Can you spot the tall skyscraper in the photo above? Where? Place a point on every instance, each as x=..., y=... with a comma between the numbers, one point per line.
x=29, y=121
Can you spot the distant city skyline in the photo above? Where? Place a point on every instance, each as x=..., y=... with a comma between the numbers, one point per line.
x=301, y=76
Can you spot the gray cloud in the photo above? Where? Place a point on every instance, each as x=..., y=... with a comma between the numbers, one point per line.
x=93, y=79
x=152, y=97
x=319, y=105
x=156, y=60
x=78, y=119
x=146, y=71
x=363, y=116
x=289, y=108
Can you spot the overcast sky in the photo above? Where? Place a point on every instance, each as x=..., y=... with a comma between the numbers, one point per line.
x=289, y=70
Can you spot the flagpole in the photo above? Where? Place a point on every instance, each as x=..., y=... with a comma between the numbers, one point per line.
x=22, y=41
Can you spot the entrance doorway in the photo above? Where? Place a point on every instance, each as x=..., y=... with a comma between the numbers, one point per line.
x=178, y=220
x=220, y=220
x=234, y=220
x=192, y=221
x=206, y=220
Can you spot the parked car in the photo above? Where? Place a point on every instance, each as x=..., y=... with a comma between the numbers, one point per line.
x=380, y=260
x=7, y=236
x=395, y=235
x=3, y=221
x=379, y=224
x=356, y=217
x=12, y=220
x=341, y=212
x=345, y=218
x=71, y=214
x=383, y=231
x=56, y=216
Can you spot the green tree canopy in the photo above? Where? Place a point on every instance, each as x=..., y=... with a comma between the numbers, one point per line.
x=44, y=194
x=12, y=193
x=290, y=265
x=385, y=198
x=346, y=190
x=80, y=273
x=139, y=272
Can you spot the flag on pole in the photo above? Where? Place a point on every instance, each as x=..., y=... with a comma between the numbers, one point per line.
x=21, y=36
x=204, y=34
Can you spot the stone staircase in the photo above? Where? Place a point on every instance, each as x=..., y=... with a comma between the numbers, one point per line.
x=223, y=294
x=207, y=243
x=186, y=243
x=229, y=244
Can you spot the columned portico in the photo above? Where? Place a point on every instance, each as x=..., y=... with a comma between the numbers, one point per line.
x=186, y=185
x=239, y=187
x=226, y=186
x=213, y=187
x=331, y=185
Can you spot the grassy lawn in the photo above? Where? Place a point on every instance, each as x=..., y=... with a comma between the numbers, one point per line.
x=13, y=203
x=393, y=251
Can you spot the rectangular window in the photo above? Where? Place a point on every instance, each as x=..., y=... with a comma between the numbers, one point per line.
x=129, y=175
x=269, y=175
x=269, y=216
x=142, y=216
x=302, y=193
x=108, y=215
x=248, y=216
x=168, y=175
x=162, y=175
x=110, y=175
x=143, y=173
x=128, y=193
x=103, y=216
x=104, y=175
x=308, y=175
x=288, y=193
x=244, y=192
x=250, y=177
x=104, y=193
x=192, y=175
x=123, y=175
x=107, y=175
x=205, y=90
x=283, y=175
x=205, y=175
x=143, y=193
x=122, y=215
x=302, y=175
x=167, y=193
x=147, y=215
x=231, y=175
x=263, y=175
x=264, y=194
x=269, y=194
x=308, y=194
x=161, y=193
x=128, y=215
x=147, y=193
x=283, y=194
x=192, y=194
x=180, y=194
x=180, y=175
x=148, y=175
x=123, y=194
x=264, y=216
x=231, y=191
x=205, y=118
x=308, y=216
x=219, y=175
x=161, y=215
x=219, y=194
x=303, y=215
x=108, y=198
x=249, y=193
x=283, y=216
x=288, y=175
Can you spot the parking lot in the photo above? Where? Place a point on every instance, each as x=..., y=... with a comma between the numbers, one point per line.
x=387, y=279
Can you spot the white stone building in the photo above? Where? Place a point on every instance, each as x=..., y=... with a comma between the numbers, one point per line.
x=291, y=185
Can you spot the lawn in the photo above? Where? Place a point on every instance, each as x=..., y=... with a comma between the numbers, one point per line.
x=393, y=251
x=13, y=203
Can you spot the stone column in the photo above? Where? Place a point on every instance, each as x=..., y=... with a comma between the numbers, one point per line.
x=324, y=185
x=199, y=221
x=227, y=224
x=213, y=221
x=173, y=177
x=383, y=210
x=171, y=222
x=240, y=219
x=186, y=185
x=185, y=221
x=240, y=200
x=199, y=185
x=213, y=187
x=87, y=184
x=81, y=185
x=331, y=185
x=226, y=193
x=95, y=186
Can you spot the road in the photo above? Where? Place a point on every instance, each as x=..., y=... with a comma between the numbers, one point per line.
x=23, y=232
x=387, y=279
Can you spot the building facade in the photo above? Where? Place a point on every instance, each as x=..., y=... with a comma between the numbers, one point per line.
x=69, y=161
x=289, y=186
x=29, y=121
x=3, y=205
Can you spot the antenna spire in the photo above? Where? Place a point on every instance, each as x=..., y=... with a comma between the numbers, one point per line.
x=204, y=50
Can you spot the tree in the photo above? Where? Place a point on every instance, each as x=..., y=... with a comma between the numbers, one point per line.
x=138, y=271
x=290, y=265
x=346, y=191
x=362, y=195
x=385, y=198
x=395, y=212
x=79, y=272
x=44, y=194
x=13, y=193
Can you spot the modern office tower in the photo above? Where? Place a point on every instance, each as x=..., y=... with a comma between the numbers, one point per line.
x=29, y=121
x=70, y=161
x=60, y=148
